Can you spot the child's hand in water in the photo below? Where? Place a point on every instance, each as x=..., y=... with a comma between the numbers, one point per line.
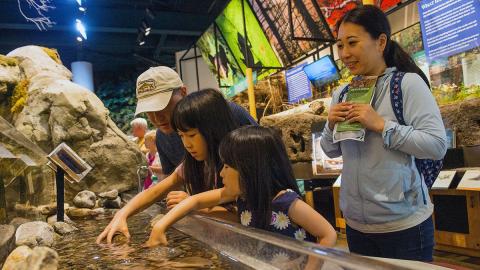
x=117, y=224
x=175, y=197
x=157, y=236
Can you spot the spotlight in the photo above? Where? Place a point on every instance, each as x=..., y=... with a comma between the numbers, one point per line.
x=147, y=32
x=82, y=9
x=79, y=2
x=150, y=13
x=79, y=39
x=141, y=42
x=145, y=25
x=81, y=28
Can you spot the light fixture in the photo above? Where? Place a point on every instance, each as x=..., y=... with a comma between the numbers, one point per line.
x=147, y=32
x=145, y=25
x=81, y=28
x=82, y=9
x=150, y=13
x=79, y=39
x=141, y=42
x=79, y=2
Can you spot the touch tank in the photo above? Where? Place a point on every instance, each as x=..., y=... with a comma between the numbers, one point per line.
x=196, y=242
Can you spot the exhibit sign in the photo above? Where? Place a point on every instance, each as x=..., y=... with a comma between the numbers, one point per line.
x=74, y=166
x=449, y=26
x=444, y=179
x=274, y=17
x=298, y=85
x=218, y=57
x=470, y=180
x=254, y=50
x=239, y=87
x=334, y=10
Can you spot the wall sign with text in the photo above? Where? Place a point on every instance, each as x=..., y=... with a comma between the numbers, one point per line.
x=449, y=26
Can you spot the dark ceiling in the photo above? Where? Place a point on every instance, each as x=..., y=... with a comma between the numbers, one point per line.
x=112, y=29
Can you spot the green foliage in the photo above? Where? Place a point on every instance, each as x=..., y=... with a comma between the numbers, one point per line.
x=119, y=98
x=451, y=93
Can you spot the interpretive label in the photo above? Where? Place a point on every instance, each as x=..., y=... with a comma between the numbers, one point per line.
x=298, y=85
x=449, y=26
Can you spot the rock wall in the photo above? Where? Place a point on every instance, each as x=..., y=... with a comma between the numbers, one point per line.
x=296, y=127
x=464, y=116
x=57, y=110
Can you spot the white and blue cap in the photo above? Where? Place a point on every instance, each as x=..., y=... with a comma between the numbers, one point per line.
x=155, y=87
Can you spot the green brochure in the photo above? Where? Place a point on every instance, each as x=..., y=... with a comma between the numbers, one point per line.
x=361, y=90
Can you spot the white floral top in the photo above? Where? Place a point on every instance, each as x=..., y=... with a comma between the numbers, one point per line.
x=280, y=223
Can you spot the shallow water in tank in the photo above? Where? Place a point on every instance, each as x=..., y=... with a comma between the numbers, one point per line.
x=79, y=250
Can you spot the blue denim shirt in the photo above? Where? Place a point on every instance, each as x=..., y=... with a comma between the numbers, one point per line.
x=381, y=189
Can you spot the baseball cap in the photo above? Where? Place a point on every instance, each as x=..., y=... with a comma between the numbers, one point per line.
x=155, y=87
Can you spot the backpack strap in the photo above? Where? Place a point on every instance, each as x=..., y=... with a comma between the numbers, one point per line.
x=396, y=97
x=343, y=93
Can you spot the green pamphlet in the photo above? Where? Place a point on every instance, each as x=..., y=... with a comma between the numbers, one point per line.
x=361, y=91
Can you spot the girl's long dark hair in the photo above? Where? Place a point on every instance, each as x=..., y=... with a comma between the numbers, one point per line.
x=374, y=21
x=259, y=155
x=210, y=113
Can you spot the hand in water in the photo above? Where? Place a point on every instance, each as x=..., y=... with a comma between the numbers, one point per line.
x=175, y=197
x=157, y=236
x=118, y=224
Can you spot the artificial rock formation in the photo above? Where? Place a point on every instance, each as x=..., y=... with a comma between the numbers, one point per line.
x=464, y=116
x=7, y=240
x=56, y=110
x=85, y=199
x=296, y=127
x=36, y=233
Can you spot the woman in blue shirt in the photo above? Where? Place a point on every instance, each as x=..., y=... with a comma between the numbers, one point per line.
x=383, y=197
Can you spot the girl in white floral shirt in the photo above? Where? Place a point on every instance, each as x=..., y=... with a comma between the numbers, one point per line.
x=258, y=176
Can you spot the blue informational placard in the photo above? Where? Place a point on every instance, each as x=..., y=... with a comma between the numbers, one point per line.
x=449, y=26
x=298, y=85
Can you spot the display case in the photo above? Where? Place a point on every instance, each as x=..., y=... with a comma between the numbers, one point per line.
x=260, y=249
x=456, y=197
x=18, y=156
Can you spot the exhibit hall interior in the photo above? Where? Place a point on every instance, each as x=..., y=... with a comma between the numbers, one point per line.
x=240, y=134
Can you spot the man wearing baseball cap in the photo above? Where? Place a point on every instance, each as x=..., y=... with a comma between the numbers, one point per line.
x=159, y=89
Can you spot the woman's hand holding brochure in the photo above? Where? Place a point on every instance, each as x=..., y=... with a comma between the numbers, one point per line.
x=358, y=99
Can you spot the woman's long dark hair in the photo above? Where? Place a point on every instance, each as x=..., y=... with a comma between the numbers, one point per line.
x=259, y=155
x=210, y=113
x=374, y=21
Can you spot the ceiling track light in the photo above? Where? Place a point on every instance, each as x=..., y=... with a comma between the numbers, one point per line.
x=82, y=9
x=146, y=26
x=81, y=28
x=150, y=13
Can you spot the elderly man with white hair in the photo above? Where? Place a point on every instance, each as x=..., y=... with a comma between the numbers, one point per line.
x=139, y=129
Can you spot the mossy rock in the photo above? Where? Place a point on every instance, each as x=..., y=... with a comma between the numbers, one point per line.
x=3, y=88
x=19, y=97
x=8, y=61
x=53, y=53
